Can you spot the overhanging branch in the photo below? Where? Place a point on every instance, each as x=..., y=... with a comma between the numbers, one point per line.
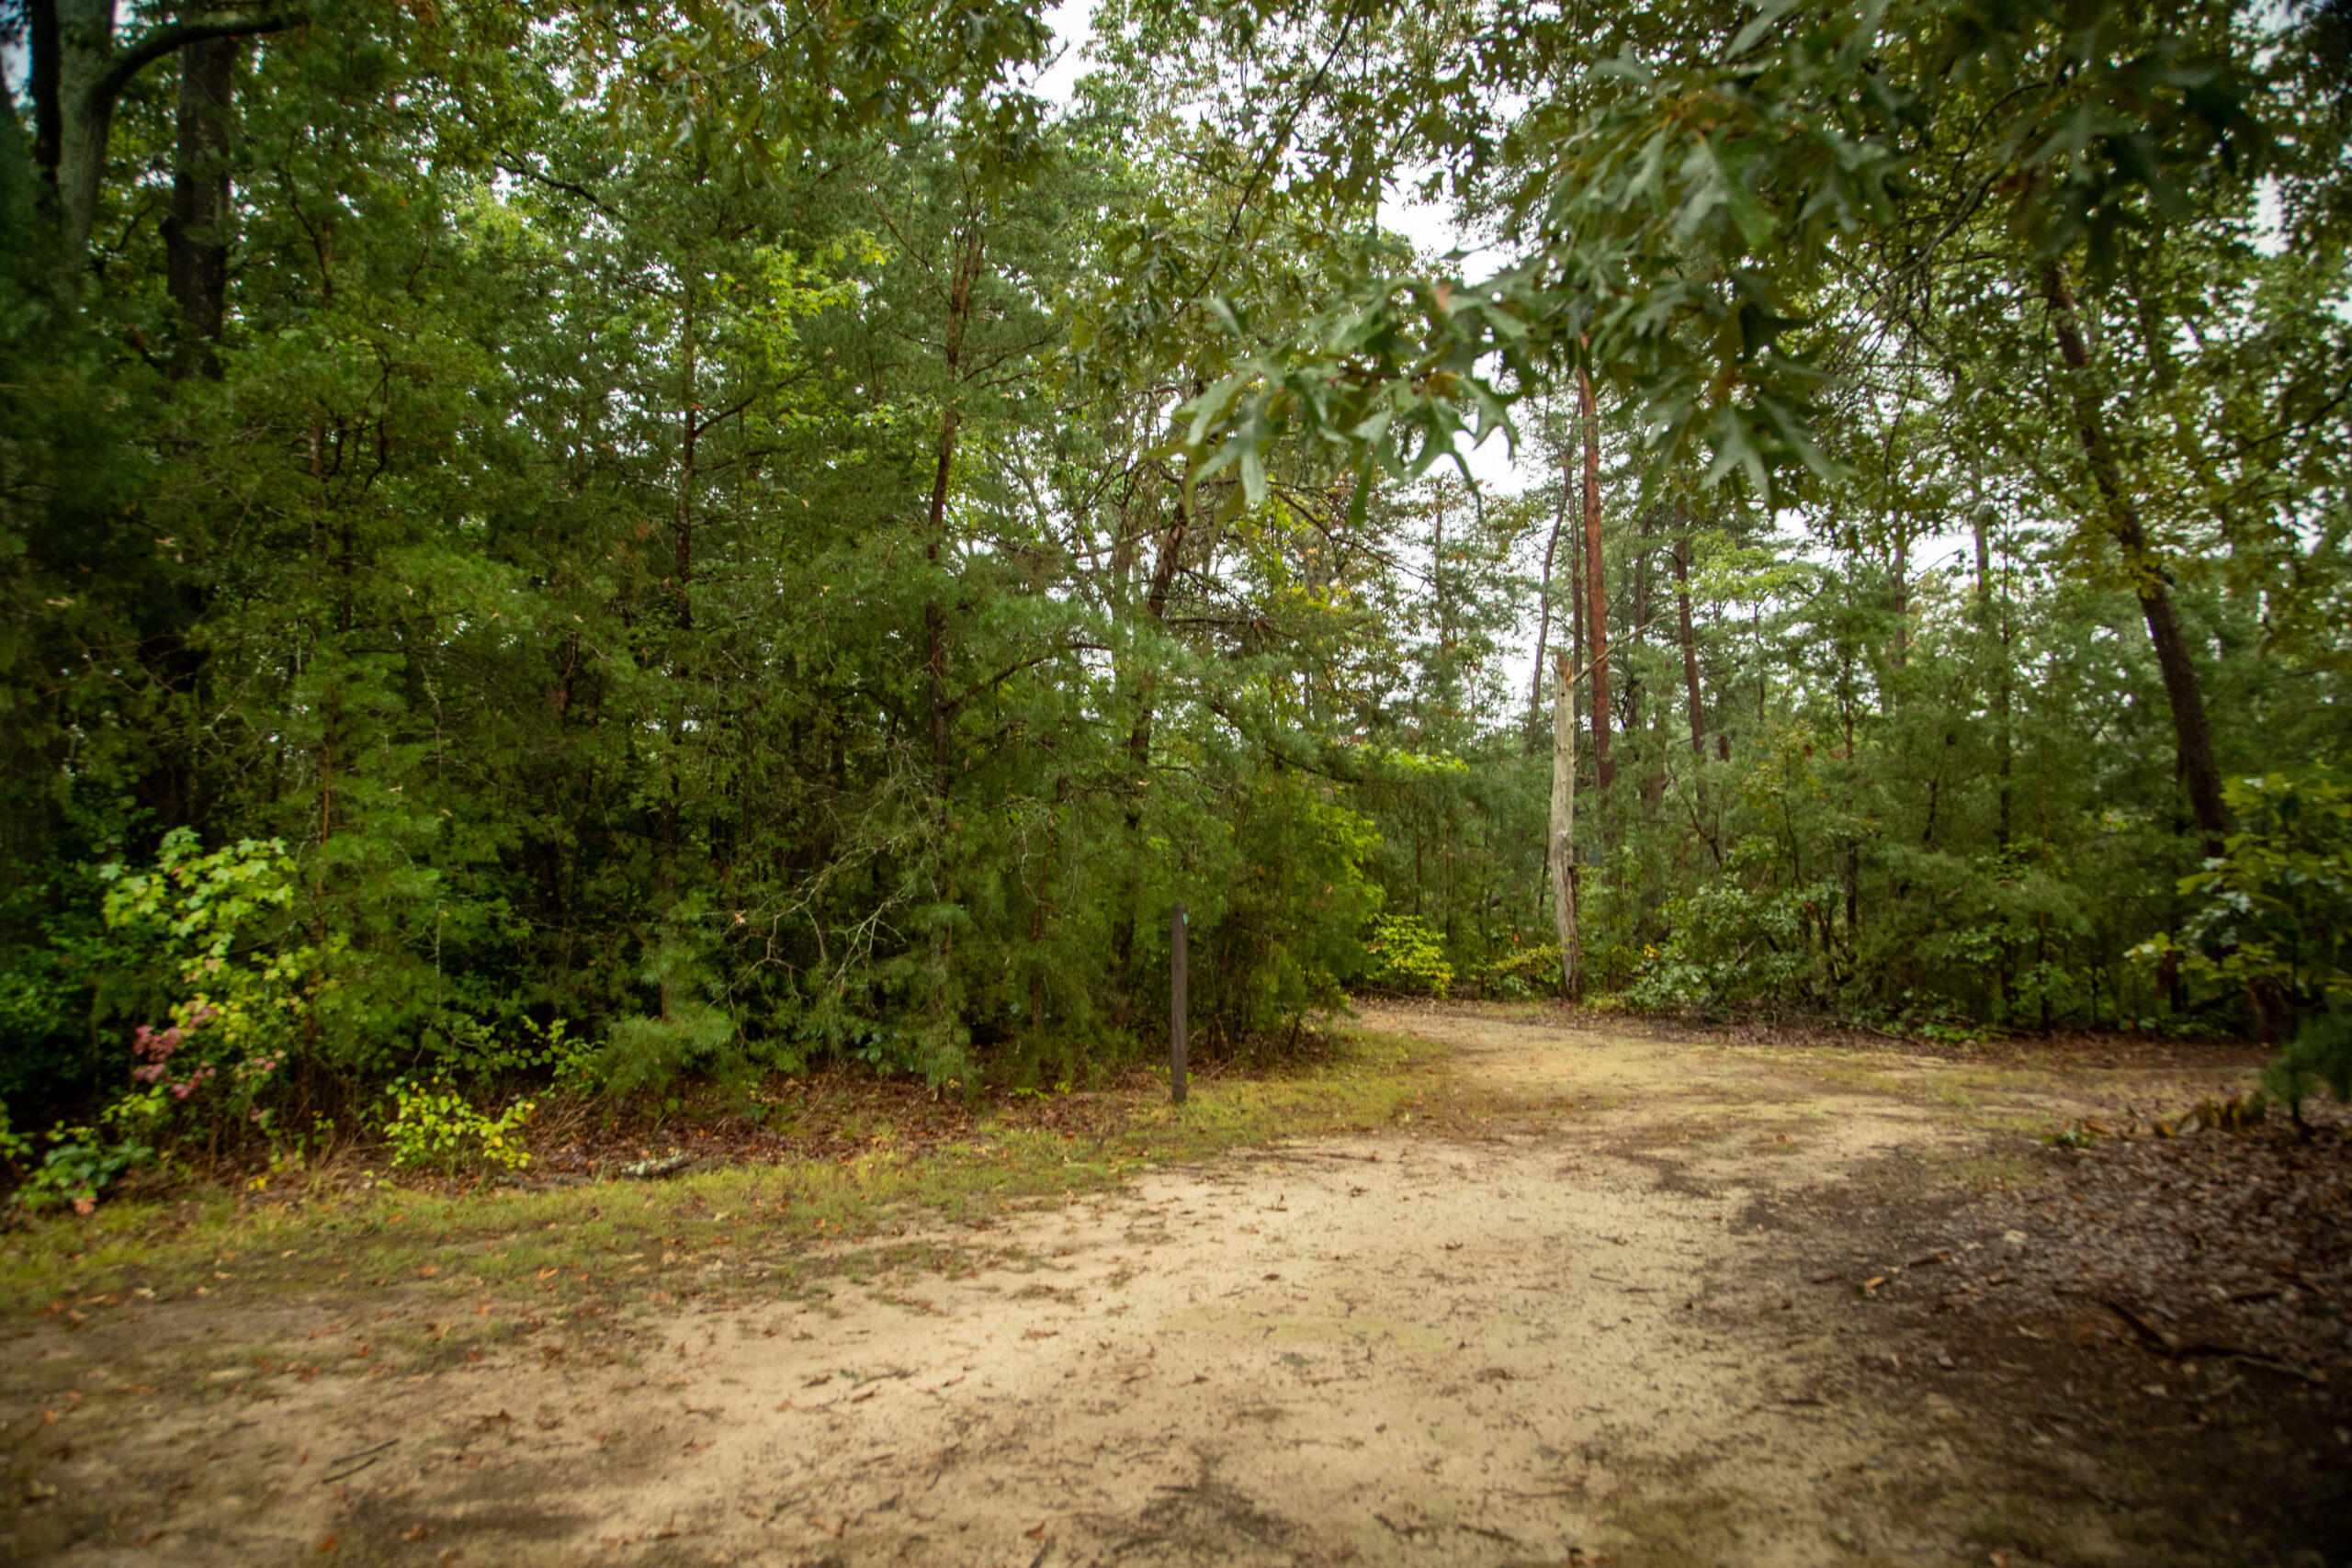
x=170, y=39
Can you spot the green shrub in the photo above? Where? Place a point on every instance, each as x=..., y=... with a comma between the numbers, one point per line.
x=1530, y=971
x=2272, y=929
x=81, y=1162
x=1407, y=957
x=1733, y=945
x=433, y=1127
x=248, y=994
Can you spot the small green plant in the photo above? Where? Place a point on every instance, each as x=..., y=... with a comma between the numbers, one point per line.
x=81, y=1163
x=1530, y=971
x=2320, y=1054
x=1407, y=957
x=435, y=1127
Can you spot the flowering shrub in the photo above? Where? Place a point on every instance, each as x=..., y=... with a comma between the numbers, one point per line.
x=216, y=917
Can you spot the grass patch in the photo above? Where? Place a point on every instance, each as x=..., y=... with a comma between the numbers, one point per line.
x=890, y=1208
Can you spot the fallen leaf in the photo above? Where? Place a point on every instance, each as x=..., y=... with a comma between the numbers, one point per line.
x=1037, y=1534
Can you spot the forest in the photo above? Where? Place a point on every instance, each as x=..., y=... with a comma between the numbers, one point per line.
x=616, y=548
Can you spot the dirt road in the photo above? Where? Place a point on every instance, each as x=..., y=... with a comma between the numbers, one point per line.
x=1620, y=1316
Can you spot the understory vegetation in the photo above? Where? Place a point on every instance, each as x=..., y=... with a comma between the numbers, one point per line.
x=598, y=553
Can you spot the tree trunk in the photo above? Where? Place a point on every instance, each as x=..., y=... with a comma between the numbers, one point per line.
x=42, y=47
x=970, y=249
x=1993, y=627
x=1544, y=608
x=2193, y=739
x=1689, y=641
x=74, y=74
x=1563, y=826
x=195, y=234
x=85, y=48
x=1596, y=598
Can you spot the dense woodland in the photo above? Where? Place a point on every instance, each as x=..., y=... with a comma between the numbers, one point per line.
x=646, y=543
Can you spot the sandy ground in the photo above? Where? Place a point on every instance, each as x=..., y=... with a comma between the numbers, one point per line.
x=1591, y=1334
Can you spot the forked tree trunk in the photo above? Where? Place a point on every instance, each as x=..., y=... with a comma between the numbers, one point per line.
x=1564, y=825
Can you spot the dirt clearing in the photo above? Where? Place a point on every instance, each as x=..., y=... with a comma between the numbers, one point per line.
x=1603, y=1296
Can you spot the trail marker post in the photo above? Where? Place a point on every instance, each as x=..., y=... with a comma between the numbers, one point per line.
x=1179, y=1003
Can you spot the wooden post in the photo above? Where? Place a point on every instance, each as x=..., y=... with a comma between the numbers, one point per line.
x=1178, y=1004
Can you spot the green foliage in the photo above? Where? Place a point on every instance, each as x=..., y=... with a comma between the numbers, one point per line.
x=1409, y=958
x=691, y=580
x=249, y=996
x=431, y=1127
x=2320, y=1054
x=81, y=1161
x=1528, y=971
x=1737, y=942
x=2273, y=921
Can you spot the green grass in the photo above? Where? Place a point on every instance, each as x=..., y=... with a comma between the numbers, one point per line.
x=768, y=1226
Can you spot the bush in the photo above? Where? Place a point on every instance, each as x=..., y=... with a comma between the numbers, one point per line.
x=435, y=1127
x=1407, y=957
x=2272, y=930
x=1733, y=945
x=248, y=997
x=79, y=1165
x=1531, y=971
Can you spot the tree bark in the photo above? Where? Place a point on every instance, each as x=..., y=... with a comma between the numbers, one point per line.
x=195, y=234
x=85, y=48
x=1689, y=641
x=2193, y=738
x=1596, y=598
x=1544, y=606
x=41, y=45
x=76, y=74
x=1563, y=826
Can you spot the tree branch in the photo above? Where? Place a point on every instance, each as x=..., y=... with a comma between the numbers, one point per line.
x=169, y=39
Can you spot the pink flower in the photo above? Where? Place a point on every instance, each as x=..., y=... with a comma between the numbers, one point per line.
x=84, y=1205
